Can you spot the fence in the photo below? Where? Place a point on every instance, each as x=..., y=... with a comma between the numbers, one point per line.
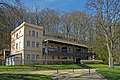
x=74, y=71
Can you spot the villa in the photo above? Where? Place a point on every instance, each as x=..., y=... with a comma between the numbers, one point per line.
x=30, y=46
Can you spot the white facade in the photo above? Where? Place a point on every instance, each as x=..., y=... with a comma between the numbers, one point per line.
x=26, y=40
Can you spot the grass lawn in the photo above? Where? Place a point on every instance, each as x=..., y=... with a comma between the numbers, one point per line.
x=110, y=74
x=24, y=77
x=39, y=67
x=11, y=76
x=15, y=68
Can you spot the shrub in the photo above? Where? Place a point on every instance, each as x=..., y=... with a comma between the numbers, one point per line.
x=91, y=61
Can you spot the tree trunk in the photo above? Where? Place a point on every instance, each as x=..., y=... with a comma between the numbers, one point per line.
x=110, y=62
x=110, y=53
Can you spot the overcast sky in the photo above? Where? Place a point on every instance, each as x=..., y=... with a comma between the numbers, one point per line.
x=62, y=5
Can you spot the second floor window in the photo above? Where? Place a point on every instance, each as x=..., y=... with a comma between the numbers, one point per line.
x=20, y=33
x=36, y=34
x=33, y=33
x=28, y=43
x=19, y=44
x=33, y=44
x=29, y=32
x=37, y=44
x=17, y=36
x=16, y=45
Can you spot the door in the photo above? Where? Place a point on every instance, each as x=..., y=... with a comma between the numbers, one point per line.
x=78, y=60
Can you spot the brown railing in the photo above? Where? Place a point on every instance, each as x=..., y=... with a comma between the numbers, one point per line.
x=67, y=52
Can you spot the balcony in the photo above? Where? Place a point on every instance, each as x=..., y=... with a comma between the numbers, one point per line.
x=65, y=52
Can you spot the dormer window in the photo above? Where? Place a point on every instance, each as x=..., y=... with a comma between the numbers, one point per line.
x=33, y=33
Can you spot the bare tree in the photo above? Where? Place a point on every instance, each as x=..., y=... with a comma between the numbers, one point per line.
x=76, y=25
x=66, y=25
x=49, y=19
x=81, y=25
x=108, y=14
x=10, y=17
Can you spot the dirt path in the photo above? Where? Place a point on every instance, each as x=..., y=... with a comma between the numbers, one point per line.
x=77, y=74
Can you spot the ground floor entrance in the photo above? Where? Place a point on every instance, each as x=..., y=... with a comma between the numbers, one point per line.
x=78, y=60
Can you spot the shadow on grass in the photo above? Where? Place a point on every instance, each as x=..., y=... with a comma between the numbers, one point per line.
x=84, y=66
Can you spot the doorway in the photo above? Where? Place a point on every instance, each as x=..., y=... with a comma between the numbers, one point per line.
x=78, y=60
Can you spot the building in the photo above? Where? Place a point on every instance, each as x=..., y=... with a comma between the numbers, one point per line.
x=55, y=48
x=29, y=46
x=26, y=44
x=3, y=55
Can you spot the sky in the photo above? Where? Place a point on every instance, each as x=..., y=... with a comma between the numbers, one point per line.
x=62, y=5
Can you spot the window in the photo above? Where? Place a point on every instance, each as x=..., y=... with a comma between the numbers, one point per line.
x=69, y=49
x=16, y=45
x=19, y=33
x=81, y=50
x=37, y=44
x=33, y=44
x=58, y=57
x=29, y=32
x=37, y=56
x=52, y=57
x=36, y=34
x=28, y=43
x=28, y=56
x=58, y=48
x=17, y=36
x=33, y=33
x=73, y=58
x=52, y=46
x=19, y=44
x=33, y=56
x=69, y=57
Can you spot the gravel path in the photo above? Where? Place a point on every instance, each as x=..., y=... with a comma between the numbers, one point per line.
x=92, y=76
x=77, y=74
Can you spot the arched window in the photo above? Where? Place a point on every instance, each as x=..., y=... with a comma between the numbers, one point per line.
x=33, y=33
x=17, y=36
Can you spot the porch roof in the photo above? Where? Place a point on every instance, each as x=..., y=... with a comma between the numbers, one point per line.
x=65, y=42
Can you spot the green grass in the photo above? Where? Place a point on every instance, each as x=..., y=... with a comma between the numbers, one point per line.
x=15, y=68
x=59, y=67
x=109, y=73
x=24, y=77
x=39, y=67
x=11, y=76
